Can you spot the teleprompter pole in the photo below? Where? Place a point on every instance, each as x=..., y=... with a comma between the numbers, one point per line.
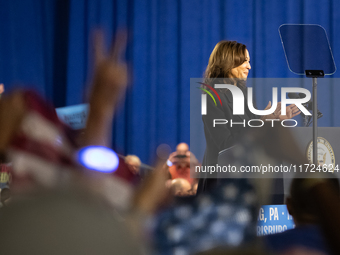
x=315, y=74
x=315, y=122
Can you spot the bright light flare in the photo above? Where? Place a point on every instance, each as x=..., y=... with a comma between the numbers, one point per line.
x=98, y=158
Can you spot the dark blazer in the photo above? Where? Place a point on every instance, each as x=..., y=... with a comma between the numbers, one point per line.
x=222, y=136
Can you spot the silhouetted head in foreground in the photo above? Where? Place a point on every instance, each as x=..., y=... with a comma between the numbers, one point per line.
x=63, y=223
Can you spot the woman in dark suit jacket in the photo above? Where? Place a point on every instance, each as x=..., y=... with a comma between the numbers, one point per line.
x=229, y=62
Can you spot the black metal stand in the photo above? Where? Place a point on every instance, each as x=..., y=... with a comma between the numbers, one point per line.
x=315, y=122
x=315, y=74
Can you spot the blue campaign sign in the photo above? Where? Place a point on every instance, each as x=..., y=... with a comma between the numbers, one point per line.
x=75, y=116
x=273, y=219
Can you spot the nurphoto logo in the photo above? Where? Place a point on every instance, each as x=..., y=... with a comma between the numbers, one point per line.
x=238, y=104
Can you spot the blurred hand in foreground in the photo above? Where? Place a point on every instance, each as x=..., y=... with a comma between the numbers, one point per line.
x=2, y=88
x=109, y=84
x=154, y=193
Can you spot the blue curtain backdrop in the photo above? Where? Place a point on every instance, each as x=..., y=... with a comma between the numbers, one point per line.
x=45, y=45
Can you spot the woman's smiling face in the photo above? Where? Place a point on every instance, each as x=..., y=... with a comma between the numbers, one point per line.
x=242, y=71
